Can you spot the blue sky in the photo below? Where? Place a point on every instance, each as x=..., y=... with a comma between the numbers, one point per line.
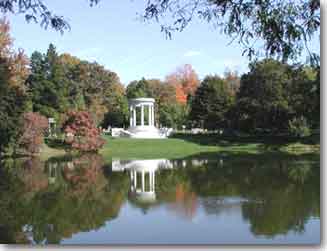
x=111, y=34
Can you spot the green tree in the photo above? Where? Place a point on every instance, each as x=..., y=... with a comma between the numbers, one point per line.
x=263, y=99
x=304, y=94
x=173, y=115
x=210, y=104
x=117, y=116
x=48, y=84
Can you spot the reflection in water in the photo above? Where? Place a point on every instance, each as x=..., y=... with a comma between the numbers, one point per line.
x=262, y=199
x=142, y=177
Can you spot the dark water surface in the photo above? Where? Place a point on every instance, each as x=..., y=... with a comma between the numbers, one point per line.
x=204, y=199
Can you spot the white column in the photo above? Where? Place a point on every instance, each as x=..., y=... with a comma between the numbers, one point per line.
x=132, y=180
x=134, y=116
x=131, y=116
x=142, y=115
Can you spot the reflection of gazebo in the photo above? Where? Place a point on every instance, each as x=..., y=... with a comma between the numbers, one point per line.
x=52, y=127
x=142, y=177
x=143, y=189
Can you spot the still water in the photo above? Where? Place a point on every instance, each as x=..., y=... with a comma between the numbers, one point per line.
x=204, y=199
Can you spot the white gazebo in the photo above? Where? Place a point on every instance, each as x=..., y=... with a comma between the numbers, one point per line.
x=142, y=119
x=142, y=104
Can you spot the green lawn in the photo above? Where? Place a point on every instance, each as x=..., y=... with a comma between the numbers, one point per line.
x=183, y=146
x=126, y=148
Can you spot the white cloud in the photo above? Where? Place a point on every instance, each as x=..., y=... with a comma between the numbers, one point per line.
x=192, y=53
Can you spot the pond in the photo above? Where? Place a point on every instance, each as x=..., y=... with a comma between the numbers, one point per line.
x=204, y=199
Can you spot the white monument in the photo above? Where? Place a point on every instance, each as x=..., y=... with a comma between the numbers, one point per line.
x=142, y=121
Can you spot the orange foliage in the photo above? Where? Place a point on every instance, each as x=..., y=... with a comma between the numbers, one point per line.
x=186, y=201
x=185, y=80
x=17, y=61
x=181, y=97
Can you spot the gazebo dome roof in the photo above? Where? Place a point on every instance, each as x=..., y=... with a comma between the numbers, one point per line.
x=140, y=100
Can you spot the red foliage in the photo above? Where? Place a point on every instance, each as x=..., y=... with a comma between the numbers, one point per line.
x=84, y=173
x=34, y=128
x=82, y=133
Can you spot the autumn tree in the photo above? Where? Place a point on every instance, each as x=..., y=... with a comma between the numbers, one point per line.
x=60, y=83
x=33, y=131
x=81, y=132
x=185, y=80
x=98, y=90
x=13, y=98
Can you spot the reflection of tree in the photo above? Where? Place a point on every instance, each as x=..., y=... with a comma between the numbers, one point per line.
x=84, y=200
x=282, y=192
x=289, y=197
x=276, y=193
x=284, y=209
x=185, y=203
x=299, y=171
x=11, y=190
x=33, y=176
x=56, y=199
x=173, y=187
x=84, y=173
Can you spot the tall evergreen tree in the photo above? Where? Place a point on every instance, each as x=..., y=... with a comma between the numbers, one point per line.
x=48, y=84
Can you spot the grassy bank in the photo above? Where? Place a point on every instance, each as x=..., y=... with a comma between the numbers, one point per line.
x=186, y=145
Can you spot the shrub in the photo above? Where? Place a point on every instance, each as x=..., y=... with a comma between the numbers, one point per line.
x=81, y=132
x=34, y=128
x=299, y=127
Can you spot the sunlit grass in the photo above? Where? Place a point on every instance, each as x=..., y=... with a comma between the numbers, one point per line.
x=127, y=148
